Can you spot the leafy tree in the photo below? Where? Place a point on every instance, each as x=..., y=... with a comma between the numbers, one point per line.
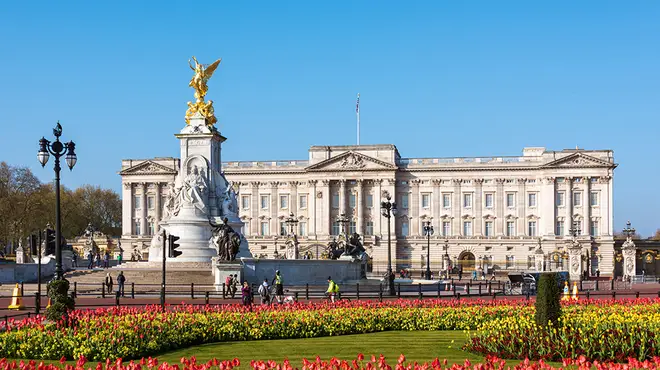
x=548, y=307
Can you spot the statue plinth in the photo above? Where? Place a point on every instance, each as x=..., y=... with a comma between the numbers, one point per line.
x=575, y=260
x=629, y=251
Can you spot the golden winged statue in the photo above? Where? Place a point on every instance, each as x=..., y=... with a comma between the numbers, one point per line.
x=198, y=82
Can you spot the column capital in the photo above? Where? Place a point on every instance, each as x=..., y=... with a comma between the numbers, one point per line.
x=294, y=184
x=521, y=180
x=274, y=184
x=548, y=180
x=391, y=181
x=500, y=181
x=325, y=182
x=436, y=182
x=456, y=181
x=359, y=182
x=478, y=181
x=415, y=182
x=376, y=181
x=312, y=182
x=128, y=185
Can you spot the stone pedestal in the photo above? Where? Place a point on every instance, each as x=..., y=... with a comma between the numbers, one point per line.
x=538, y=259
x=629, y=251
x=575, y=261
x=222, y=269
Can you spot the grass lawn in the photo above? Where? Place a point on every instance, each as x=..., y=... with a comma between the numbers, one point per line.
x=417, y=346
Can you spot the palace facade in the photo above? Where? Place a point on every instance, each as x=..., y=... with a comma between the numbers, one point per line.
x=494, y=212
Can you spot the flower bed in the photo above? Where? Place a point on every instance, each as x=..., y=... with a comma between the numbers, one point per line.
x=607, y=330
x=359, y=363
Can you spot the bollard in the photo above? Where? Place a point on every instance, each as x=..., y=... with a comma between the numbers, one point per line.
x=419, y=291
x=192, y=290
x=458, y=296
x=37, y=303
x=479, y=289
x=636, y=295
x=490, y=287
x=613, y=294
x=438, y=289
x=22, y=294
x=339, y=295
x=467, y=288
x=295, y=295
x=224, y=292
x=494, y=296
x=206, y=298
x=117, y=299
x=658, y=294
x=102, y=290
x=357, y=291
x=453, y=286
x=399, y=291
x=307, y=291
x=596, y=284
x=133, y=290
x=588, y=294
x=612, y=284
x=75, y=288
x=581, y=285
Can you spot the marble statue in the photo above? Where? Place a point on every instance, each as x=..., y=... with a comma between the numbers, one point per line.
x=225, y=240
x=292, y=247
x=90, y=244
x=194, y=189
x=172, y=202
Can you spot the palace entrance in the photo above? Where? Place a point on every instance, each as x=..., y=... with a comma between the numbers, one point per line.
x=466, y=261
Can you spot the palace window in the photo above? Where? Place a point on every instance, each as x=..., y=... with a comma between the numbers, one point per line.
x=510, y=262
x=559, y=228
x=446, y=200
x=136, y=226
x=404, y=201
x=150, y=203
x=489, y=200
x=136, y=201
x=488, y=228
x=593, y=198
x=335, y=228
x=302, y=228
x=467, y=228
x=577, y=198
x=370, y=228
x=264, y=228
x=352, y=200
x=245, y=201
x=467, y=200
x=335, y=200
x=283, y=228
x=404, y=228
x=370, y=200
x=560, y=198
x=245, y=229
x=510, y=228
x=150, y=229
x=593, y=228
x=446, y=228
x=284, y=201
x=264, y=202
x=426, y=200
x=531, y=228
x=352, y=227
x=510, y=200
x=531, y=200
x=302, y=201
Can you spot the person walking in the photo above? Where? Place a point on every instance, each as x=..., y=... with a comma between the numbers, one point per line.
x=121, y=280
x=233, y=285
x=279, y=287
x=119, y=257
x=333, y=289
x=98, y=259
x=264, y=292
x=108, y=283
x=90, y=260
x=74, y=259
x=460, y=274
x=246, y=294
x=106, y=260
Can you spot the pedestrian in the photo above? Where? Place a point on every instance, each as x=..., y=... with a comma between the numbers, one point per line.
x=228, y=280
x=108, y=282
x=483, y=274
x=493, y=276
x=106, y=260
x=119, y=257
x=98, y=259
x=90, y=259
x=264, y=292
x=121, y=280
x=246, y=293
x=333, y=289
x=233, y=285
x=74, y=259
x=474, y=275
x=597, y=273
x=460, y=274
x=279, y=287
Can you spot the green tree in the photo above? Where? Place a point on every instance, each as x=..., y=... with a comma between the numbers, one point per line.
x=548, y=307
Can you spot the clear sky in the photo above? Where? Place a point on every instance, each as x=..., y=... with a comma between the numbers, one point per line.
x=436, y=78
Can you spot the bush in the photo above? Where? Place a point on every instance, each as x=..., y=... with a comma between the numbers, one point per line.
x=548, y=308
x=60, y=302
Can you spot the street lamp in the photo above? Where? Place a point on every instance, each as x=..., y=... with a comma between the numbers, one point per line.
x=574, y=231
x=447, y=260
x=388, y=209
x=629, y=231
x=428, y=231
x=291, y=221
x=342, y=220
x=57, y=149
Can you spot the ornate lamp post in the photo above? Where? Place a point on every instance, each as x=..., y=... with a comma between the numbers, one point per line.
x=291, y=222
x=388, y=209
x=343, y=221
x=57, y=149
x=574, y=253
x=428, y=231
x=447, y=260
x=629, y=253
x=292, y=240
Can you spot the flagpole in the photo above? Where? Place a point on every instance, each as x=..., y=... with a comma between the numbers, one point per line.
x=357, y=111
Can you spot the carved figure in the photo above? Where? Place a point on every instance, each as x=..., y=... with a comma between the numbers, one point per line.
x=333, y=251
x=354, y=246
x=225, y=240
x=198, y=82
x=193, y=189
x=352, y=161
x=292, y=247
x=230, y=202
x=172, y=202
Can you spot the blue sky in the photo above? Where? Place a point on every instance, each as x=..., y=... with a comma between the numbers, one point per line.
x=436, y=78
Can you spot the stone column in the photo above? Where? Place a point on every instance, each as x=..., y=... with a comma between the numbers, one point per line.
x=436, y=198
x=606, y=205
x=127, y=209
x=311, y=208
x=254, y=208
x=377, y=185
x=500, y=225
x=274, y=206
x=586, y=206
x=414, y=206
x=456, y=206
x=521, y=206
x=326, y=204
x=568, y=205
x=293, y=198
x=478, y=207
x=143, y=216
x=158, y=211
x=359, y=207
x=342, y=196
x=548, y=207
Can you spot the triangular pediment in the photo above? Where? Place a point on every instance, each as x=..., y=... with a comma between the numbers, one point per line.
x=148, y=168
x=579, y=160
x=351, y=161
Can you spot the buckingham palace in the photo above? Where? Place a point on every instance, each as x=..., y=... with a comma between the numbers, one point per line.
x=497, y=212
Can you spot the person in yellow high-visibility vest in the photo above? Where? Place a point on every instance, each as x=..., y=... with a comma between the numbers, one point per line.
x=333, y=289
x=567, y=294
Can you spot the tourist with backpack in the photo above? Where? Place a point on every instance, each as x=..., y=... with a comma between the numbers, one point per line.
x=264, y=292
x=333, y=289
